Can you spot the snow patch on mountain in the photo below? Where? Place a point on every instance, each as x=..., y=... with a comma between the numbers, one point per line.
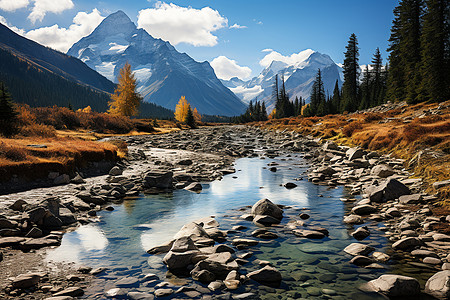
x=299, y=71
x=163, y=74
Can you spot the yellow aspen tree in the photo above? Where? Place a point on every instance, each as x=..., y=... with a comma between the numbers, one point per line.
x=125, y=101
x=181, y=110
x=197, y=116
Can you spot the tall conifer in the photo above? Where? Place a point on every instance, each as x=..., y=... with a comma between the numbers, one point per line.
x=351, y=74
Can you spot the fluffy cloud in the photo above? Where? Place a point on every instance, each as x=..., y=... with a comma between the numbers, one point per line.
x=290, y=60
x=237, y=26
x=12, y=5
x=226, y=68
x=13, y=28
x=63, y=38
x=182, y=24
x=42, y=7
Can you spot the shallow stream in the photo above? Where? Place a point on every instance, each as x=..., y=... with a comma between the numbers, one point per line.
x=311, y=269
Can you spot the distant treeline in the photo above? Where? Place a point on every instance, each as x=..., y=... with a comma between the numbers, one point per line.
x=418, y=68
x=31, y=85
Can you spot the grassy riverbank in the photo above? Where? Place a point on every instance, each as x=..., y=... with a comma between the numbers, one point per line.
x=419, y=134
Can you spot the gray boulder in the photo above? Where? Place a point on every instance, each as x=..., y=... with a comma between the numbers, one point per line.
x=364, y=209
x=361, y=233
x=192, y=230
x=267, y=274
x=358, y=249
x=395, y=285
x=407, y=243
x=268, y=208
x=382, y=171
x=155, y=179
x=25, y=281
x=355, y=153
x=179, y=260
x=438, y=285
x=390, y=190
x=265, y=220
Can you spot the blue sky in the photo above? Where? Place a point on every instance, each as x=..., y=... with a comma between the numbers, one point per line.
x=285, y=26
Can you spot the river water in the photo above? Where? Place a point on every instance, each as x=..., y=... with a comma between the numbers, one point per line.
x=311, y=269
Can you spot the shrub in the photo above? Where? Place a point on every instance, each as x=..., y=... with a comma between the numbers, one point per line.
x=40, y=130
x=373, y=117
x=349, y=129
x=12, y=153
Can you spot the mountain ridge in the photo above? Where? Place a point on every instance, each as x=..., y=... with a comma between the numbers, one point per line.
x=299, y=78
x=163, y=73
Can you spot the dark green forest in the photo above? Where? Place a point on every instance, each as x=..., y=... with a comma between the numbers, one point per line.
x=38, y=87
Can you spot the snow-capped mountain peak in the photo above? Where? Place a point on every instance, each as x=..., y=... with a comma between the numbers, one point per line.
x=163, y=74
x=299, y=71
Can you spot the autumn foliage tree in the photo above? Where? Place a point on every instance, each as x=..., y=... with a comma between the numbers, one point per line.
x=125, y=101
x=184, y=113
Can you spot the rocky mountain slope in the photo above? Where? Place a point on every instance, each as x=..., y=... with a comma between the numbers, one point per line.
x=164, y=74
x=299, y=77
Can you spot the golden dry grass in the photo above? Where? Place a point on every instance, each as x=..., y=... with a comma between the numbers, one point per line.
x=411, y=133
x=60, y=155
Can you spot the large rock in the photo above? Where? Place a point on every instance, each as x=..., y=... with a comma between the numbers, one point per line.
x=267, y=274
x=354, y=153
x=265, y=220
x=179, y=260
x=192, y=230
x=410, y=199
x=441, y=184
x=161, y=249
x=395, y=285
x=70, y=291
x=364, y=209
x=183, y=244
x=161, y=180
x=25, y=281
x=382, y=171
x=358, y=249
x=407, y=243
x=219, y=269
x=268, y=208
x=439, y=285
x=390, y=190
x=353, y=219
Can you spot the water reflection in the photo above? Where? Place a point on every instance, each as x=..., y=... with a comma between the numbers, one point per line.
x=118, y=235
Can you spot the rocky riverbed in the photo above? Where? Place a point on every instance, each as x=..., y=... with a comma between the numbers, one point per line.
x=380, y=190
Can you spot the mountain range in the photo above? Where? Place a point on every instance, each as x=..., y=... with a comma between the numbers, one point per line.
x=163, y=73
x=299, y=77
x=39, y=76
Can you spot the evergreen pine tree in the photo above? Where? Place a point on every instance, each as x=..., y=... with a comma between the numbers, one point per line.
x=336, y=99
x=263, y=112
x=190, y=120
x=366, y=87
x=413, y=11
x=376, y=84
x=296, y=106
x=351, y=74
x=435, y=42
x=318, y=105
x=8, y=113
x=396, y=76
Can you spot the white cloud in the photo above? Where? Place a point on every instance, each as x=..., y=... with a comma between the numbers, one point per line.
x=13, y=28
x=42, y=7
x=178, y=24
x=12, y=5
x=237, y=26
x=293, y=59
x=267, y=50
x=63, y=38
x=226, y=68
